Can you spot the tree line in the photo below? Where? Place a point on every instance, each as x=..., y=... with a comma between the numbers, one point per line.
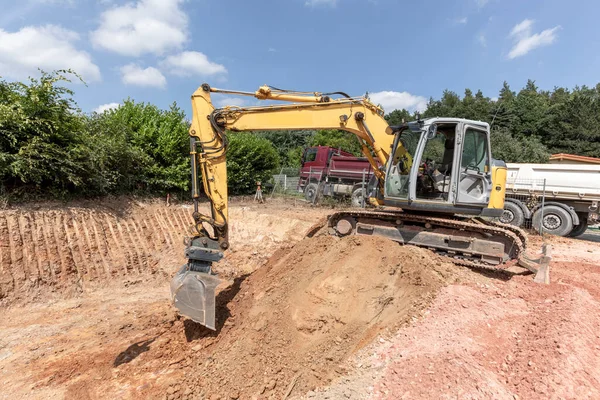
x=49, y=148
x=528, y=125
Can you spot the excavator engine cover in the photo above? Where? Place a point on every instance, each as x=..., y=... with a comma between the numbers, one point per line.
x=193, y=286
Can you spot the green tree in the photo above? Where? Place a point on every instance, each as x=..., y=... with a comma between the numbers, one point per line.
x=502, y=113
x=530, y=109
x=572, y=123
x=508, y=148
x=289, y=144
x=42, y=141
x=152, y=145
x=337, y=139
x=398, y=117
x=250, y=158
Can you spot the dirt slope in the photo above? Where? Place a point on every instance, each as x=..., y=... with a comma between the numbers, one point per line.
x=66, y=251
x=310, y=307
x=53, y=252
x=499, y=339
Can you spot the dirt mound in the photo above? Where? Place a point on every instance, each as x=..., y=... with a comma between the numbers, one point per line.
x=500, y=339
x=295, y=320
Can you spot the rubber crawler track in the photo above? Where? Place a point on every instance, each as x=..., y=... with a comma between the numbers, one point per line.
x=513, y=235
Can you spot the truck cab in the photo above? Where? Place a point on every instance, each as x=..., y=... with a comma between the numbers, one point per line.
x=327, y=171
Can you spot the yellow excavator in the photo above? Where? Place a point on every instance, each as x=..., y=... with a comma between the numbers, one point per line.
x=435, y=184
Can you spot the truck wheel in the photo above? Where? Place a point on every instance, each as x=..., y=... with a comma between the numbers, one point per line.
x=579, y=229
x=513, y=214
x=311, y=191
x=557, y=221
x=357, y=197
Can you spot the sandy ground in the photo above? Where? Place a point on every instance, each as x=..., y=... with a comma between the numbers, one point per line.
x=86, y=314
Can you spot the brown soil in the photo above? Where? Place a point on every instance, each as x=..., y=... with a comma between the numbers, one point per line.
x=495, y=339
x=68, y=251
x=86, y=313
x=56, y=251
x=309, y=308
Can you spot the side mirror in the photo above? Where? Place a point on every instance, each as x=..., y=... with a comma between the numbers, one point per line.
x=431, y=131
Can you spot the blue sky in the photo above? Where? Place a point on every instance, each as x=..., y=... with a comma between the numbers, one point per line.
x=401, y=52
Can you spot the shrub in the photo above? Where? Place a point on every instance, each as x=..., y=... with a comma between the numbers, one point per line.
x=249, y=159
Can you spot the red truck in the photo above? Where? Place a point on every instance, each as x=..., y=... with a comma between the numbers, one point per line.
x=332, y=172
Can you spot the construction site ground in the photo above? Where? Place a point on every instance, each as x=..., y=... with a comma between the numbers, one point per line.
x=85, y=312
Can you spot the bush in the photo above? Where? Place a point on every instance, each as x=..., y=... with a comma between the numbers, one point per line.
x=49, y=148
x=43, y=144
x=143, y=147
x=249, y=159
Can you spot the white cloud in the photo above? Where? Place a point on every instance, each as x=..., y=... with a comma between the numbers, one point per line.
x=481, y=3
x=525, y=40
x=146, y=27
x=522, y=28
x=462, y=20
x=47, y=47
x=105, y=107
x=272, y=50
x=133, y=74
x=482, y=40
x=316, y=3
x=494, y=99
x=190, y=63
x=391, y=101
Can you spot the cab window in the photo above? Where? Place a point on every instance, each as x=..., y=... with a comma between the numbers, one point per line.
x=475, y=151
x=310, y=155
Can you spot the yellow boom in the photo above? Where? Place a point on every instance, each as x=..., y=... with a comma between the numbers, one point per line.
x=309, y=110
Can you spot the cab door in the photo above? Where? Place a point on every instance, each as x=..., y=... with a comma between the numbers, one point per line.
x=474, y=168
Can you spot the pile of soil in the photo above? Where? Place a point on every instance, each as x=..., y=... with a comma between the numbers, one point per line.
x=289, y=327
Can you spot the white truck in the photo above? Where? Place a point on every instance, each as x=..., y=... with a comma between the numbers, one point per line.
x=570, y=198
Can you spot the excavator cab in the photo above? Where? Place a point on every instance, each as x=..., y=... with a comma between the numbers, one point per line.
x=442, y=165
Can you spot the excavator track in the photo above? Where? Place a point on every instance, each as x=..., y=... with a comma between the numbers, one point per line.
x=472, y=243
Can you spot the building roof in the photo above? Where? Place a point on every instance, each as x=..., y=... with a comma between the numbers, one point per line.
x=573, y=157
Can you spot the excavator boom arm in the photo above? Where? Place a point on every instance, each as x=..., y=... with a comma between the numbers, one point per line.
x=306, y=111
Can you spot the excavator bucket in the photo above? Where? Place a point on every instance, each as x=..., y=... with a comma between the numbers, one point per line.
x=193, y=294
x=193, y=286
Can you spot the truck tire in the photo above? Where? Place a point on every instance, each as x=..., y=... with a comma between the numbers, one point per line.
x=357, y=197
x=311, y=192
x=557, y=221
x=513, y=214
x=579, y=229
